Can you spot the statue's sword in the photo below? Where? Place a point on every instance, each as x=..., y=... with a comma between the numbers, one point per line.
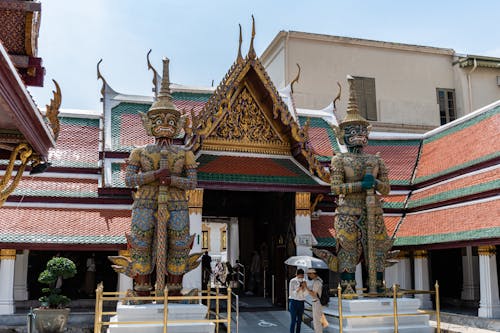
x=161, y=229
x=370, y=221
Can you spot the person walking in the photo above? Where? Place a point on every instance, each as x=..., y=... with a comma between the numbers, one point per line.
x=206, y=269
x=296, y=290
x=315, y=292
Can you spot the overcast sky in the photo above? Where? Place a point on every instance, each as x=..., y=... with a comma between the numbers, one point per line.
x=201, y=37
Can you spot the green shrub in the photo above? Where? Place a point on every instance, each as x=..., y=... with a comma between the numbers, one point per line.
x=56, y=267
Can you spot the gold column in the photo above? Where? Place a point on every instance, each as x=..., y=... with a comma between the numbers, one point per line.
x=419, y=254
x=403, y=255
x=302, y=204
x=195, y=201
x=486, y=250
x=7, y=254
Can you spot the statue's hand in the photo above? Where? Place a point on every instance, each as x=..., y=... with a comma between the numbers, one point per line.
x=162, y=174
x=368, y=182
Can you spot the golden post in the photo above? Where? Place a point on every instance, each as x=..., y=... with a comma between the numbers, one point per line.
x=217, y=307
x=229, y=309
x=438, y=313
x=339, y=294
x=165, y=309
x=395, y=303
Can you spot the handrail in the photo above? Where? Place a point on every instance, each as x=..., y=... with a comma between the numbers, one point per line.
x=241, y=275
x=396, y=293
x=237, y=310
x=102, y=296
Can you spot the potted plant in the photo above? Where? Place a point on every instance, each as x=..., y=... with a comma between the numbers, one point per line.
x=52, y=315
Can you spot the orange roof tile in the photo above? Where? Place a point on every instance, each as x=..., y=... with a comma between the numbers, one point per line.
x=451, y=224
x=63, y=226
x=460, y=146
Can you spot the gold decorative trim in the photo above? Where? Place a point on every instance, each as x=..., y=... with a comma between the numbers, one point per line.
x=245, y=147
x=303, y=203
x=124, y=253
x=28, y=34
x=195, y=201
x=205, y=230
x=487, y=250
x=420, y=254
x=7, y=186
x=52, y=112
x=403, y=255
x=7, y=254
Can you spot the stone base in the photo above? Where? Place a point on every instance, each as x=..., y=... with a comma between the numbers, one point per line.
x=416, y=323
x=154, y=312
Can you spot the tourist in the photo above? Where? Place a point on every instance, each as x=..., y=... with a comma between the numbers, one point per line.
x=297, y=290
x=315, y=292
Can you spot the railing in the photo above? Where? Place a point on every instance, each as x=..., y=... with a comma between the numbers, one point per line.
x=237, y=310
x=108, y=296
x=241, y=275
x=395, y=293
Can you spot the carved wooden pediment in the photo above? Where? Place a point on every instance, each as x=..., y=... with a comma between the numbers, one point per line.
x=246, y=127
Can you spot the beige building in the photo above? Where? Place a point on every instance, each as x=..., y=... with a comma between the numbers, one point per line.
x=401, y=87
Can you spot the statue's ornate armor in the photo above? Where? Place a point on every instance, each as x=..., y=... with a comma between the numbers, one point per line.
x=142, y=163
x=161, y=172
x=347, y=172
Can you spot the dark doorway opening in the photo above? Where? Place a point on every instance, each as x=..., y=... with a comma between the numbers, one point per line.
x=81, y=286
x=446, y=268
x=266, y=223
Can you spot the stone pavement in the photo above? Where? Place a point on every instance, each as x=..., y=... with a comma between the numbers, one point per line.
x=267, y=321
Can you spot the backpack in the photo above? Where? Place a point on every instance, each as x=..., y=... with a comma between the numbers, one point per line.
x=325, y=297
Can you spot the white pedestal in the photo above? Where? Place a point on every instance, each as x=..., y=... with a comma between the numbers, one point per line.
x=414, y=323
x=154, y=312
x=7, y=285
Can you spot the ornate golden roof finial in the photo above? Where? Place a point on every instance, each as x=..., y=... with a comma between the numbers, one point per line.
x=251, y=51
x=99, y=76
x=155, y=74
x=352, y=116
x=337, y=98
x=164, y=101
x=239, y=59
x=296, y=78
x=52, y=110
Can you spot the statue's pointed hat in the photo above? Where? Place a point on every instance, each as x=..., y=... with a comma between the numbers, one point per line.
x=164, y=101
x=352, y=116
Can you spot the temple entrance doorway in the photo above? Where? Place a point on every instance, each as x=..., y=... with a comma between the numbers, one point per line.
x=265, y=224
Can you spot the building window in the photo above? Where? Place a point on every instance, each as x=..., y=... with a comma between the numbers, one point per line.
x=204, y=240
x=446, y=102
x=365, y=94
x=223, y=240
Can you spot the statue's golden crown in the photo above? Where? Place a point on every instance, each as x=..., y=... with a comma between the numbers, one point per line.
x=352, y=113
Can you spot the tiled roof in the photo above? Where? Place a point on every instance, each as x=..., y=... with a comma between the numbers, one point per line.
x=480, y=220
x=238, y=169
x=324, y=232
x=321, y=138
x=57, y=187
x=127, y=131
x=394, y=201
x=63, y=226
x=459, y=146
x=245, y=169
x=463, y=186
x=399, y=156
x=118, y=174
x=77, y=145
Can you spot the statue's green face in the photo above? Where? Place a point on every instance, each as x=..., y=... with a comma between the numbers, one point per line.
x=164, y=125
x=356, y=135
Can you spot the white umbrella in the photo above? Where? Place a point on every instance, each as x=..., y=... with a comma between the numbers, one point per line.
x=306, y=261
